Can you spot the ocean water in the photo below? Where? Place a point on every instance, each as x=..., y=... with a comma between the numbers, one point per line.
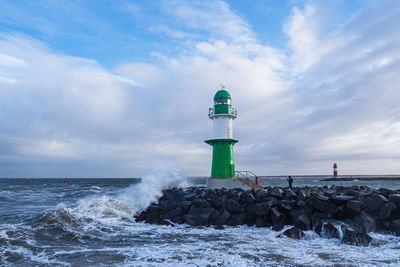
x=89, y=222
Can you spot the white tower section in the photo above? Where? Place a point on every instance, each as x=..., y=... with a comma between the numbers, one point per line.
x=222, y=126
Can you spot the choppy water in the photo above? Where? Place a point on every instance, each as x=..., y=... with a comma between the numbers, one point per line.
x=88, y=222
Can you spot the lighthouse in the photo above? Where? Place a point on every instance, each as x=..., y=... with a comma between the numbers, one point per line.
x=222, y=141
x=335, y=173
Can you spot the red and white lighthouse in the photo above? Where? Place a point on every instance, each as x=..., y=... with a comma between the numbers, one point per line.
x=335, y=170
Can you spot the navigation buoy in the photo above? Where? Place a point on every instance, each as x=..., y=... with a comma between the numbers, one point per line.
x=335, y=170
x=65, y=180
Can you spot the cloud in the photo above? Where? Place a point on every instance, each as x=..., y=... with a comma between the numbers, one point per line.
x=328, y=96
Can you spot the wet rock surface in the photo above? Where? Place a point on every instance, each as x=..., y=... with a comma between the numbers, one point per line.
x=356, y=210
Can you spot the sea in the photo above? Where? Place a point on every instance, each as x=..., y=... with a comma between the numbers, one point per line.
x=90, y=222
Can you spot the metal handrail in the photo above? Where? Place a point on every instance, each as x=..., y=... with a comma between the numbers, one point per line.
x=245, y=174
x=211, y=112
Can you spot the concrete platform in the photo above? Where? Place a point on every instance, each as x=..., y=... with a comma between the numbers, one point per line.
x=228, y=183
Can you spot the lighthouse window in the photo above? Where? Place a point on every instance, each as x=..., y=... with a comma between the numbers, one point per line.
x=222, y=101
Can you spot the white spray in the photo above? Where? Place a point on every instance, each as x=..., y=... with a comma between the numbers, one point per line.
x=133, y=199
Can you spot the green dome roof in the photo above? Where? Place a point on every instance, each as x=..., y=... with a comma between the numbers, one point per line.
x=222, y=94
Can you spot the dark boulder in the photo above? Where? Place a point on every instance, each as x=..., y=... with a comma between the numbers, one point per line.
x=300, y=210
x=290, y=195
x=351, y=237
x=167, y=204
x=340, y=200
x=386, y=210
x=395, y=227
x=374, y=202
x=233, y=206
x=222, y=218
x=287, y=204
x=294, y=233
x=190, y=197
x=259, y=209
x=362, y=222
x=236, y=219
x=248, y=197
x=196, y=219
x=194, y=210
x=395, y=198
x=303, y=194
x=275, y=192
x=303, y=222
x=330, y=231
x=278, y=219
x=318, y=217
x=141, y=216
x=184, y=205
x=320, y=204
x=201, y=203
x=260, y=194
x=172, y=213
x=354, y=206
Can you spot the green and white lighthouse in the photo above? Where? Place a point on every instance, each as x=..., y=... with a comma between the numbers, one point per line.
x=222, y=141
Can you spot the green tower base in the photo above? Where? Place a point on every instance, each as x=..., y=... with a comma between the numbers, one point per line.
x=222, y=160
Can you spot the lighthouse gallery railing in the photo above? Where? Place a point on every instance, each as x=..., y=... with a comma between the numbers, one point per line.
x=211, y=111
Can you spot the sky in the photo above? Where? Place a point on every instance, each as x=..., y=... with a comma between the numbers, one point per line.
x=118, y=88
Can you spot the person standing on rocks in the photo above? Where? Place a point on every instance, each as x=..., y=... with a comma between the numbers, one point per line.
x=290, y=181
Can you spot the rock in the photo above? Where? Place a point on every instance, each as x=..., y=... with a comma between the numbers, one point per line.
x=294, y=233
x=385, y=210
x=172, y=213
x=249, y=197
x=318, y=217
x=290, y=195
x=194, y=210
x=354, y=206
x=201, y=203
x=301, y=210
x=211, y=195
x=184, y=205
x=303, y=194
x=395, y=198
x=152, y=218
x=190, y=197
x=167, y=204
x=275, y=192
x=351, y=237
x=220, y=201
x=330, y=231
x=219, y=227
x=395, y=227
x=318, y=228
x=362, y=222
x=233, y=206
x=374, y=202
x=320, y=204
x=259, y=209
x=177, y=219
x=222, y=218
x=196, y=219
x=278, y=219
x=236, y=219
x=303, y=222
x=340, y=200
x=141, y=217
x=260, y=194
x=287, y=204
x=272, y=201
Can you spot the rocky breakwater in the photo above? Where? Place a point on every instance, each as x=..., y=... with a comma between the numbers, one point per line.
x=346, y=213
